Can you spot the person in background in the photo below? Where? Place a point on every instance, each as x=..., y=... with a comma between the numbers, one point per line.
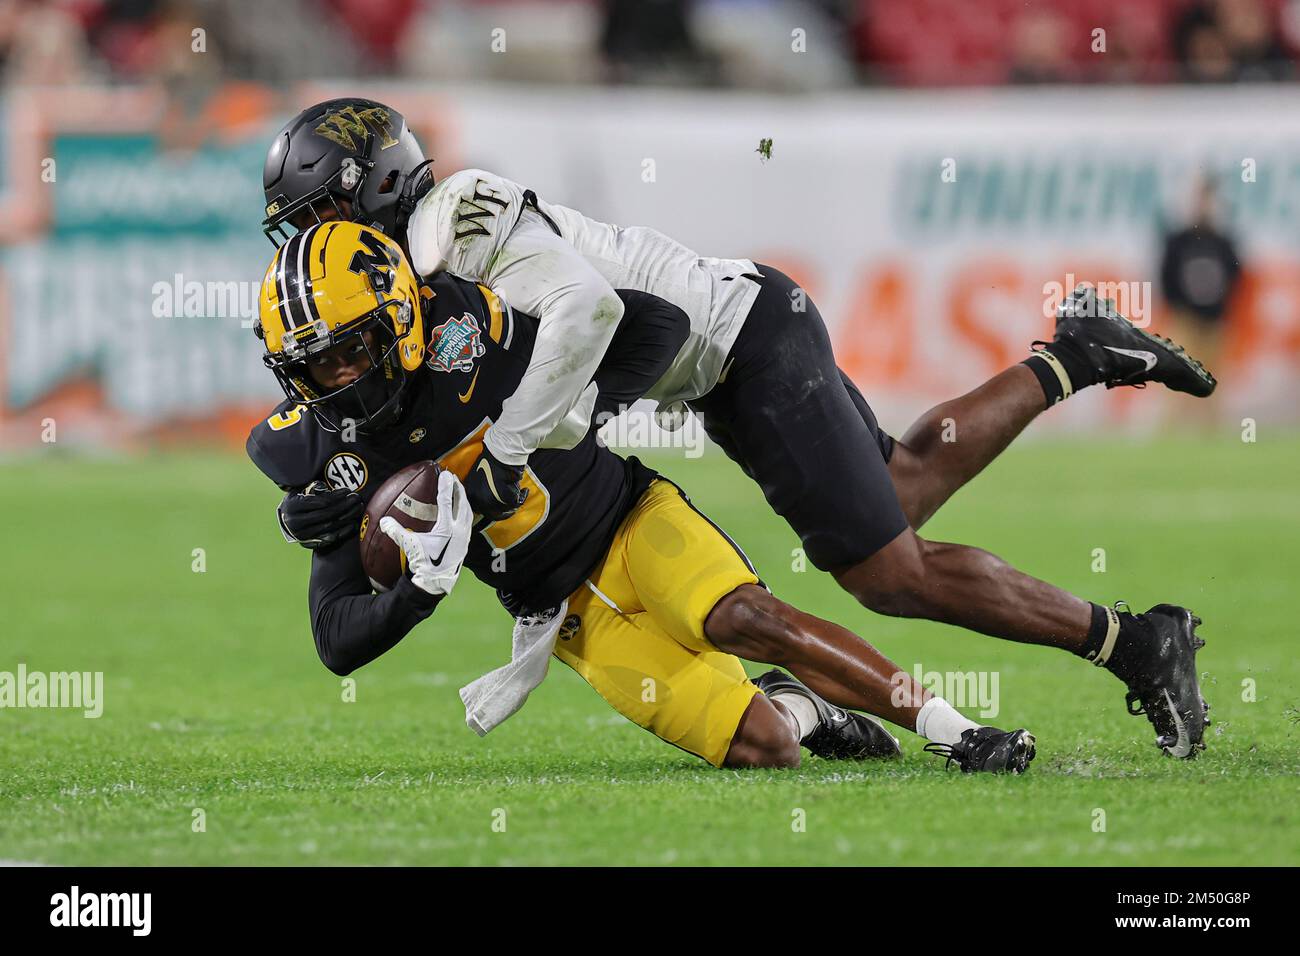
x=1236, y=41
x=1200, y=269
x=1039, y=49
x=652, y=40
x=1250, y=32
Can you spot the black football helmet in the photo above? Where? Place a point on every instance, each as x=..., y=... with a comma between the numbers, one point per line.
x=350, y=149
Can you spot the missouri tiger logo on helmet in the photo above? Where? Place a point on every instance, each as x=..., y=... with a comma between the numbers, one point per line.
x=342, y=285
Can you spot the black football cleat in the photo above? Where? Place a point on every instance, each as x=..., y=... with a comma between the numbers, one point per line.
x=988, y=750
x=1121, y=353
x=840, y=734
x=1161, y=676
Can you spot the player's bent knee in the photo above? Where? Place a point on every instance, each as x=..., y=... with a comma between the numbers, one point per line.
x=750, y=623
x=747, y=757
x=914, y=485
x=764, y=739
x=893, y=580
x=732, y=616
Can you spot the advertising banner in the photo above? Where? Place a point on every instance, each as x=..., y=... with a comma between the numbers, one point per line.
x=934, y=232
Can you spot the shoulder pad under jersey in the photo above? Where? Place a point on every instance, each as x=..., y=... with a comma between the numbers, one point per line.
x=461, y=224
x=289, y=446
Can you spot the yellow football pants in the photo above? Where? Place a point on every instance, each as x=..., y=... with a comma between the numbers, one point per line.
x=635, y=630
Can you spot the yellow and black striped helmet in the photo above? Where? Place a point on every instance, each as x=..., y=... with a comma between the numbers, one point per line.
x=328, y=284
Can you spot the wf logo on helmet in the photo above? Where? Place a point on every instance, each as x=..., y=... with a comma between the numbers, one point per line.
x=350, y=127
x=455, y=345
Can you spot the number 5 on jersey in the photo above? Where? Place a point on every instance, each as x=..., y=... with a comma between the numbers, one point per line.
x=508, y=532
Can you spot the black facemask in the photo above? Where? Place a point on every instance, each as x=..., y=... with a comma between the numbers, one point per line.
x=370, y=402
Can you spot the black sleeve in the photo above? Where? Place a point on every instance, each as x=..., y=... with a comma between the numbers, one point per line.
x=351, y=625
x=650, y=335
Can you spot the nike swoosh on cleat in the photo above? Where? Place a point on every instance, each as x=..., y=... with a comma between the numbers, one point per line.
x=1148, y=357
x=1184, y=745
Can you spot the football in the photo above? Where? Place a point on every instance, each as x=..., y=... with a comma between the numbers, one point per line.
x=411, y=497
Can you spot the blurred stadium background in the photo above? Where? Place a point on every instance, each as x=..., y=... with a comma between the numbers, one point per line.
x=940, y=172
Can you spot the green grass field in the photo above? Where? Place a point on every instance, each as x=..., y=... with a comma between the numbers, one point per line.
x=214, y=698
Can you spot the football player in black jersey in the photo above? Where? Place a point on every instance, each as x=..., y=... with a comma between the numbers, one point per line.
x=380, y=372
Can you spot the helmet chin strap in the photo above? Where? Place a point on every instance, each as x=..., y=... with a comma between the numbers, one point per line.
x=390, y=414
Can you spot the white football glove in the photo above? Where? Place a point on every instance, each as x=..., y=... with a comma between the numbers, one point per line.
x=435, y=557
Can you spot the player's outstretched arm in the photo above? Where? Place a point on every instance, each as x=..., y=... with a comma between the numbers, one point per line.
x=578, y=315
x=484, y=227
x=351, y=625
x=481, y=226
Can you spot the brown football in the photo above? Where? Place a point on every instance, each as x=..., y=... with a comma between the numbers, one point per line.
x=410, y=496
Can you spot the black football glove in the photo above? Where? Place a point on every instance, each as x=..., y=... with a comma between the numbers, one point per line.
x=492, y=488
x=319, y=516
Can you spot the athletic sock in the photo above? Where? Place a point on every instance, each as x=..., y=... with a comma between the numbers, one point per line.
x=938, y=721
x=1103, y=632
x=1110, y=639
x=1061, y=369
x=802, y=709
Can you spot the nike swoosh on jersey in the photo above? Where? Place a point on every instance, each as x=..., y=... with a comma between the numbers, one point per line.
x=725, y=369
x=1148, y=357
x=464, y=398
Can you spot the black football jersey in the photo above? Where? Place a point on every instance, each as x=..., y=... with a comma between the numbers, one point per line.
x=478, y=349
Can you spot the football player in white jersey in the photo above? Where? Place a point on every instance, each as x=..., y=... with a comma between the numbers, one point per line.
x=758, y=369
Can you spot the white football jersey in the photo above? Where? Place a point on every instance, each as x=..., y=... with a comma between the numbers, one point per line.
x=482, y=227
x=716, y=293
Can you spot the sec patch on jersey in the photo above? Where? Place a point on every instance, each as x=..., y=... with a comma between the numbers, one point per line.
x=346, y=470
